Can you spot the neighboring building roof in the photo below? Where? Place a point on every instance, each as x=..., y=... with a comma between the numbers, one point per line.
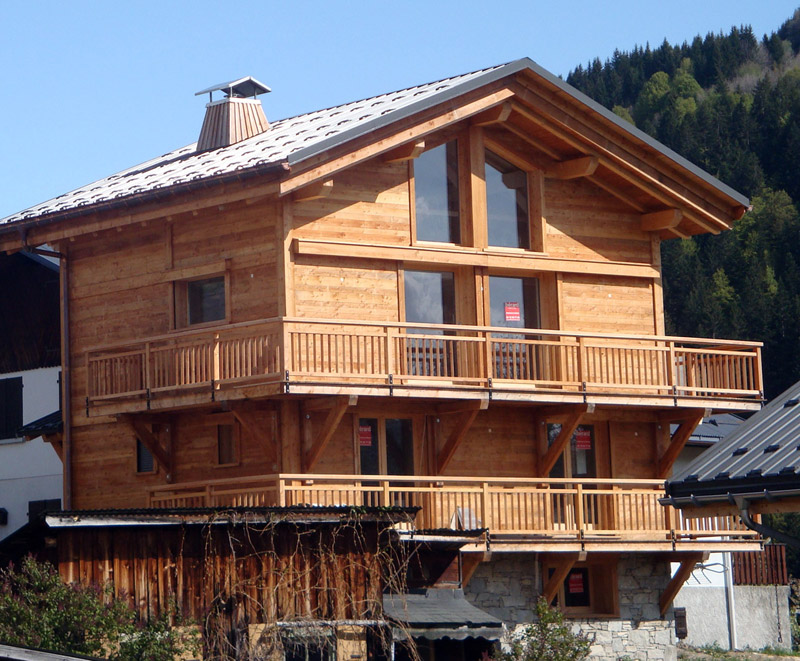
x=441, y=613
x=48, y=424
x=19, y=653
x=714, y=429
x=760, y=459
x=291, y=141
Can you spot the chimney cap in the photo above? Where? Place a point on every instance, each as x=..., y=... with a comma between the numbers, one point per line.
x=247, y=86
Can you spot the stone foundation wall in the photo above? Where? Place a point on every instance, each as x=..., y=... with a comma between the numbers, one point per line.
x=510, y=584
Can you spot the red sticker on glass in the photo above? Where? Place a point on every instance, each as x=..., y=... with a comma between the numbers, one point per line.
x=575, y=583
x=512, y=311
x=365, y=435
x=583, y=439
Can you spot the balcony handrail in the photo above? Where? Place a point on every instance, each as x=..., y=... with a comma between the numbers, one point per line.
x=444, y=479
x=211, y=330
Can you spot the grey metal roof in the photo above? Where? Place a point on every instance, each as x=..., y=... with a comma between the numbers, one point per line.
x=713, y=429
x=247, y=86
x=47, y=424
x=439, y=613
x=296, y=139
x=760, y=457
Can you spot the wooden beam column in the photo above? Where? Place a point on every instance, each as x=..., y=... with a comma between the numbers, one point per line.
x=337, y=407
x=678, y=440
x=562, y=569
x=468, y=412
x=681, y=576
x=568, y=428
x=163, y=455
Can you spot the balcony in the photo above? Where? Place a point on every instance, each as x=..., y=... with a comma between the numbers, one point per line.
x=278, y=356
x=533, y=514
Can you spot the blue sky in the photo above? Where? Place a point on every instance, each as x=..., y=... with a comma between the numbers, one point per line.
x=93, y=87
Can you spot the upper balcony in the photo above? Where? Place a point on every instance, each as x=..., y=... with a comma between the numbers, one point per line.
x=311, y=356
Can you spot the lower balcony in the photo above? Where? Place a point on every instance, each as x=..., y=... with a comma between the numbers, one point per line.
x=308, y=356
x=533, y=514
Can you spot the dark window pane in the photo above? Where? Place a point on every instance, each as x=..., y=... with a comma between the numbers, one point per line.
x=430, y=297
x=226, y=448
x=399, y=447
x=144, y=458
x=10, y=407
x=583, y=454
x=368, y=446
x=576, y=589
x=436, y=194
x=514, y=302
x=205, y=300
x=506, y=203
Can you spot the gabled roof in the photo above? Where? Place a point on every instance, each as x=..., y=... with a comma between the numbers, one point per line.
x=760, y=458
x=290, y=142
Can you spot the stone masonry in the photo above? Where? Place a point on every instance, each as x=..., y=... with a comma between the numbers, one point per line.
x=509, y=586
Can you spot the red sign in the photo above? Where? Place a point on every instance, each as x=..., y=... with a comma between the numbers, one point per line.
x=365, y=435
x=512, y=311
x=583, y=439
x=575, y=583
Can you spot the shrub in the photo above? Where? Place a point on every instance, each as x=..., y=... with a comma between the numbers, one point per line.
x=37, y=609
x=547, y=639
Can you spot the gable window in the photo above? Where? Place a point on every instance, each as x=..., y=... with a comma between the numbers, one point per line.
x=201, y=301
x=144, y=459
x=506, y=203
x=436, y=194
x=10, y=407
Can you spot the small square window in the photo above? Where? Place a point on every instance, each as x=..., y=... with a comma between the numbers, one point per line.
x=201, y=301
x=10, y=407
x=145, y=463
x=590, y=588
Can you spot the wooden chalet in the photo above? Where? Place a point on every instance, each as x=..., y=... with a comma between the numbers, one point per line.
x=445, y=298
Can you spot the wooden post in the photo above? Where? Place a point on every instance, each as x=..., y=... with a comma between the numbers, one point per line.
x=581, y=360
x=390, y=353
x=486, y=510
x=385, y=494
x=216, y=369
x=579, y=507
x=489, y=358
x=281, y=483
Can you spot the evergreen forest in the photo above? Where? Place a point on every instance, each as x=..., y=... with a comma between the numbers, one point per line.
x=731, y=104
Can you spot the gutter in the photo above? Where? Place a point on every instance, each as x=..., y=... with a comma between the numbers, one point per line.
x=744, y=511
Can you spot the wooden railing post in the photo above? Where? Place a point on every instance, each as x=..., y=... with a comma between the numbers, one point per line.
x=486, y=508
x=287, y=351
x=672, y=373
x=579, y=507
x=581, y=360
x=215, y=374
x=489, y=357
x=386, y=499
x=148, y=385
x=757, y=372
x=281, y=485
x=389, y=351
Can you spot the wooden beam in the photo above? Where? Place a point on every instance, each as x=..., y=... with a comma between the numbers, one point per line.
x=463, y=424
x=249, y=422
x=470, y=562
x=550, y=412
x=562, y=569
x=617, y=192
x=407, y=152
x=554, y=451
x=679, y=415
x=533, y=142
x=314, y=191
x=56, y=440
x=493, y=116
x=679, y=438
x=461, y=406
x=681, y=576
x=666, y=219
x=577, y=167
x=339, y=406
x=151, y=442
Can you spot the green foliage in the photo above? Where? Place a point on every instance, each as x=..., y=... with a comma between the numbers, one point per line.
x=547, y=639
x=37, y=609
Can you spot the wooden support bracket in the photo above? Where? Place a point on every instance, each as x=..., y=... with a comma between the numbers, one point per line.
x=249, y=421
x=338, y=407
x=314, y=191
x=467, y=417
x=656, y=221
x=407, y=152
x=577, y=167
x=562, y=569
x=676, y=444
x=681, y=576
x=470, y=562
x=567, y=429
x=493, y=116
x=145, y=434
x=56, y=440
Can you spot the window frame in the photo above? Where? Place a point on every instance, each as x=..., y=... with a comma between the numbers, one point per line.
x=381, y=418
x=603, y=581
x=460, y=145
x=138, y=446
x=180, y=301
x=235, y=439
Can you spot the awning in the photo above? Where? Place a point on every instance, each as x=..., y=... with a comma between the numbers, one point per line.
x=439, y=613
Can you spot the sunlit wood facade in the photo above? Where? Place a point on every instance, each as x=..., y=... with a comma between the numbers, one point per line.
x=460, y=312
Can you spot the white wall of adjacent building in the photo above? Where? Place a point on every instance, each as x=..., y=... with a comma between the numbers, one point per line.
x=30, y=470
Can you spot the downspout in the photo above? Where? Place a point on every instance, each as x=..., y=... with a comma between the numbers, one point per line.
x=729, y=598
x=744, y=511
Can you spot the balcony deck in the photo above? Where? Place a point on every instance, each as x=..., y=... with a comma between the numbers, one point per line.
x=279, y=356
x=530, y=514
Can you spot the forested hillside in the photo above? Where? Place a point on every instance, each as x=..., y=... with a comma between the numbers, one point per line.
x=731, y=104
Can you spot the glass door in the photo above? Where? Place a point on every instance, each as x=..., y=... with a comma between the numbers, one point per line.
x=514, y=303
x=430, y=298
x=386, y=447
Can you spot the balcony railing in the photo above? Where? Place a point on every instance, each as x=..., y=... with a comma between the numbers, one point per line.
x=424, y=356
x=550, y=507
